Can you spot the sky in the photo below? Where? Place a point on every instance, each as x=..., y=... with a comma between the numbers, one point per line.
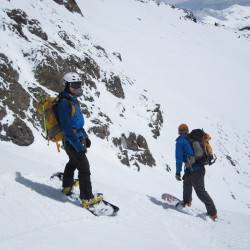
x=200, y=4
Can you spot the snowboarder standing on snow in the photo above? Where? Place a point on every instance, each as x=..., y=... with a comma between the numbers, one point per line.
x=193, y=175
x=76, y=141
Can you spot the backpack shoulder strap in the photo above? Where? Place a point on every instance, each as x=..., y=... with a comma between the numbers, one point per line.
x=71, y=104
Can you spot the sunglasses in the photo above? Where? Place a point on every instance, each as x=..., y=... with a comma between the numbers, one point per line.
x=76, y=85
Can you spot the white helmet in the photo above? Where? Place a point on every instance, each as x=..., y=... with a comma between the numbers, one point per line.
x=71, y=77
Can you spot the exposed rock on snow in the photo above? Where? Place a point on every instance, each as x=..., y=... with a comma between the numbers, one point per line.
x=156, y=121
x=114, y=86
x=133, y=150
x=19, y=133
x=71, y=5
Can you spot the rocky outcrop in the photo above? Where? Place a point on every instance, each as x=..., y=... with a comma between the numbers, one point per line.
x=19, y=133
x=21, y=19
x=245, y=28
x=100, y=130
x=90, y=67
x=71, y=5
x=12, y=93
x=190, y=15
x=117, y=55
x=133, y=150
x=51, y=70
x=230, y=159
x=7, y=72
x=3, y=113
x=16, y=99
x=114, y=86
x=18, y=15
x=156, y=121
x=34, y=27
x=66, y=38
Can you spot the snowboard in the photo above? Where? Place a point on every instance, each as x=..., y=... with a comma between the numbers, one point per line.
x=175, y=203
x=171, y=200
x=104, y=208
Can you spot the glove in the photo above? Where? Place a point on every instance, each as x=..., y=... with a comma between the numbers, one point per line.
x=88, y=142
x=178, y=177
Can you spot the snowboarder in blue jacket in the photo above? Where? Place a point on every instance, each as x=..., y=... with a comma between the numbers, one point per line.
x=194, y=173
x=76, y=140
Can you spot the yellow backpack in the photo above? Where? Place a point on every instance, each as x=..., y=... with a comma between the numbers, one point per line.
x=51, y=128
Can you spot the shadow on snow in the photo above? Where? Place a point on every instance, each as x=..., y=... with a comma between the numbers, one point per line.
x=43, y=189
x=167, y=206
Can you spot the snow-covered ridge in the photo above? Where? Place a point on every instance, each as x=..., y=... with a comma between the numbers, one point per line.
x=236, y=17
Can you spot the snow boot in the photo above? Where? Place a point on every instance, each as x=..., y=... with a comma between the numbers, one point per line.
x=67, y=190
x=93, y=201
x=213, y=217
x=184, y=204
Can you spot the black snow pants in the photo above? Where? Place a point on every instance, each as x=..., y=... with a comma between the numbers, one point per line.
x=196, y=180
x=82, y=165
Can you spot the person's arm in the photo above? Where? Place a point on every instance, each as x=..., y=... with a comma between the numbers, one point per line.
x=178, y=157
x=64, y=117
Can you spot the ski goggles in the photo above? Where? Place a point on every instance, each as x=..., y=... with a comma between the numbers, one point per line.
x=76, y=85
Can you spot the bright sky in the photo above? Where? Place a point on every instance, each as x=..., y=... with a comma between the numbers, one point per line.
x=199, y=4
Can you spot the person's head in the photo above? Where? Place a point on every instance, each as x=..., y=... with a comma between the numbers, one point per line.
x=73, y=83
x=183, y=129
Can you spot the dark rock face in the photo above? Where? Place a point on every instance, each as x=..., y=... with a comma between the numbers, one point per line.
x=157, y=121
x=12, y=93
x=21, y=19
x=50, y=71
x=230, y=159
x=102, y=50
x=189, y=15
x=66, y=38
x=17, y=100
x=133, y=150
x=123, y=157
x=6, y=70
x=118, y=55
x=114, y=86
x=91, y=68
x=35, y=28
x=2, y=113
x=71, y=5
x=101, y=131
x=146, y=158
x=89, y=82
x=18, y=15
x=245, y=28
x=19, y=133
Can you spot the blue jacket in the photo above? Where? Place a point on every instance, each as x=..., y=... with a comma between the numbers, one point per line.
x=72, y=126
x=182, y=151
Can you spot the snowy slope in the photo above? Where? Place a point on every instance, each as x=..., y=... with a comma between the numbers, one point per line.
x=198, y=73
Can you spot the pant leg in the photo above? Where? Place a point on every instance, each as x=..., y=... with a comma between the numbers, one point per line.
x=82, y=165
x=199, y=187
x=187, y=188
x=68, y=175
x=84, y=178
